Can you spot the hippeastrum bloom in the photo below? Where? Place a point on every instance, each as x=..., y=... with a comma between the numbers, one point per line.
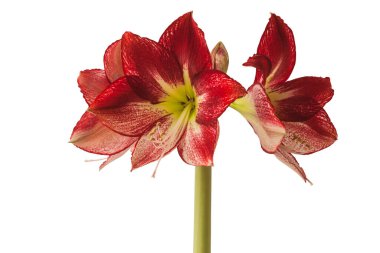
x=170, y=96
x=287, y=116
x=89, y=133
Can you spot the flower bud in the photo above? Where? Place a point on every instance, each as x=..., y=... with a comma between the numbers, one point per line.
x=219, y=56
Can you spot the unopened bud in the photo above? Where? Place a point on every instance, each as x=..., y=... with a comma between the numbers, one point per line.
x=219, y=56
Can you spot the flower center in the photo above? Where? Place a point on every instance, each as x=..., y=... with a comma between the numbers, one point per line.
x=181, y=98
x=190, y=102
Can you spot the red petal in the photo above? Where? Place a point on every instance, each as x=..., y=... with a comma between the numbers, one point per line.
x=198, y=143
x=277, y=43
x=301, y=98
x=112, y=61
x=92, y=136
x=91, y=83
x=187, y=41
x=215, y=91
x=158, y=141
x=124, y=112
x=291, y=162
x=310, y=136
x=262, y=64
x=112, y=158
x=151, y=62
x=258, y=111
x=116, y=95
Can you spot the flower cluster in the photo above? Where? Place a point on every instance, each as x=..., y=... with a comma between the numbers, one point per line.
x=153, y=97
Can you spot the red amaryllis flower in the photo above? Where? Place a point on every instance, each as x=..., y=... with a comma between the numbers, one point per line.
x=287, y=116
x=89, y=133
x=170, y=96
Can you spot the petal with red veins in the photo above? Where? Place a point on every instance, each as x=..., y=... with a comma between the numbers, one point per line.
x=258, y=111
x=310, y=136
x=301, y=98
x=116, y=95
x=187, y=41
x=153, y=63
x=262, y=64
x=284, y=156
x=215, y=91
x=198, y=143
x=277, y=44
x=92, y=136
x=112, y=158
x=119, y=108
x=132, y=119
x=91, y=83
x=159, y=140
x=112, y=61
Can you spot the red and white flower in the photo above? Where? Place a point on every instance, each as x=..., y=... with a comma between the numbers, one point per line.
x=288, y=116
x=169, y=97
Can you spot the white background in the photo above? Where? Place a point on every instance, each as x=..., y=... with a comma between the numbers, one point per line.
x=53, y=201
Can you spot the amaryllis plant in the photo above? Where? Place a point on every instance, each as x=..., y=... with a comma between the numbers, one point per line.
x=155, y=96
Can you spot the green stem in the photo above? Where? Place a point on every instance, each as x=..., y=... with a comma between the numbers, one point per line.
x=202, y=210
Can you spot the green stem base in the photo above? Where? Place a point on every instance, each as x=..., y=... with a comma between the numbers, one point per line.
x=202, y=209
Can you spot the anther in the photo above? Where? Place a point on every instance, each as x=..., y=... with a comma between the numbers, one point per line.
x=155, y=135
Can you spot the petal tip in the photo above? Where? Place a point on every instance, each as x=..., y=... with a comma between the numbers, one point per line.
x=188, y=15
x=308, y=181
x=274, y=17
x=127, y=36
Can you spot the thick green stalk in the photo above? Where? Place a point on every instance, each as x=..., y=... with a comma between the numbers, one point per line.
x=202, y=210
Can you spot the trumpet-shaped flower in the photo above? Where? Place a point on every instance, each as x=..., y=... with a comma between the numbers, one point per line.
x=89, y=133
x=170, y=96
x=288, y=116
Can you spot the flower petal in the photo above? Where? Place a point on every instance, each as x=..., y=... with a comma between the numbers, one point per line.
x=198, y=143
x=277, y=44
x=151, y=62
x=187, y=41
x=263, y=67
x=112, y=158
x=91, y=83
x=215, y=91
x=291, y=162
x=119, y=108
x=310, y=136
x=112, y=61
x=160, y=140
x=92, y=136
x=219, y=57
x=258, y=111
x=301, y=98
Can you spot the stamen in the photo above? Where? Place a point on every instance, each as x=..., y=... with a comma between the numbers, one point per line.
x=158, y=139
x=155, y=135
x=158, y=163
